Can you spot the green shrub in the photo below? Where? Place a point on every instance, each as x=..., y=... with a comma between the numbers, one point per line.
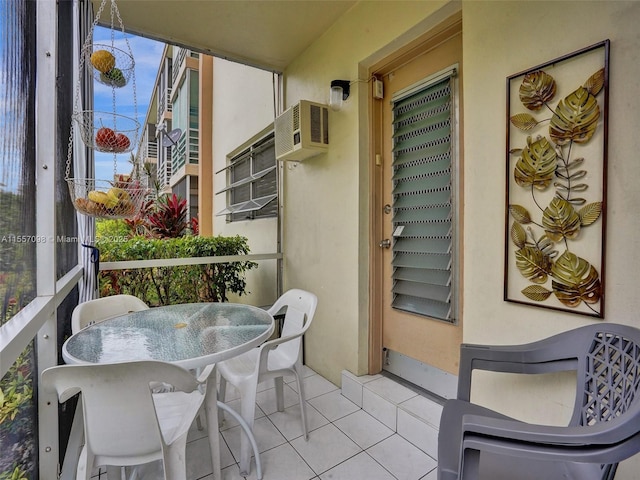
x=16, y=474
x=16, y=392
x=111, y=228
x=181, y=284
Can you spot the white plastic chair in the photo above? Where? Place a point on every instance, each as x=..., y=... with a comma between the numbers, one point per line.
x=124, y=423
x=272, y=360
x=94, y=311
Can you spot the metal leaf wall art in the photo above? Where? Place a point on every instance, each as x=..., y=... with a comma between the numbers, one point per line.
x=553, y=194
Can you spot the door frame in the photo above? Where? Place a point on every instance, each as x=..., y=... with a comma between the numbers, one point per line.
x=420, y=45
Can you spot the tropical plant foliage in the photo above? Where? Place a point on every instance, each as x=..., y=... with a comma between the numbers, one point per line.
x=16, y=474
x=17, y=289
x=169, y=220
x=164, y=218
x=179, y=284
x=550, y=161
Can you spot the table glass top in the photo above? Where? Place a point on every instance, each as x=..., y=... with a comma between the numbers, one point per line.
x=174, y=333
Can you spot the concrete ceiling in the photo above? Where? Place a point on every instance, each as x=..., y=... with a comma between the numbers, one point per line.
x=263, y=33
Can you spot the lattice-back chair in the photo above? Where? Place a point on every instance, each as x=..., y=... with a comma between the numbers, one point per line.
x=478, y=443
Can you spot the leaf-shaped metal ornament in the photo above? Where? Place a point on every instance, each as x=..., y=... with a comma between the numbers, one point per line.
x=560, y=220
x=572, y=200
x=575, y=280
x=537, y=88
x=520, y=214
x=576, y=162
x=578, y=175
x=518, y=235
x=575, y=118
x=590, y=213
x=536, y=166
x=595, y=82
x=580, y=187
x=524, y=121
x=533, y=264
x=537, y=293
x=545, y=244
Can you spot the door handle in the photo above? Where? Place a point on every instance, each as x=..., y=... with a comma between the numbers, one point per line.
x=386, y=243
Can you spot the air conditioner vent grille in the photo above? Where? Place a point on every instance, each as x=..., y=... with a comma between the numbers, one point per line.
x=316, y=124
x=284, y=133
x=302, y=131
x=296, y=117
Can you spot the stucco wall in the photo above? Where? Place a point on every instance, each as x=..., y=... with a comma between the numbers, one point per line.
x=502, y=38
x=326, y=197
x=243, y=98
x=326, y=206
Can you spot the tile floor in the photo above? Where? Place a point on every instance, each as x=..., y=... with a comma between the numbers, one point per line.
x=371, y=429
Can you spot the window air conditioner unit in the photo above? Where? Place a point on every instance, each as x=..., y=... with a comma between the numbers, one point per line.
x=302, y=131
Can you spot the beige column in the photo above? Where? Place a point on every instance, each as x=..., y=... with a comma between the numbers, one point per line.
x=205, y=146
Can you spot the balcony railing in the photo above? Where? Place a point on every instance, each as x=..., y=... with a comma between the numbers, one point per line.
x=164, y=103
x=178, y=57
x=148, y=147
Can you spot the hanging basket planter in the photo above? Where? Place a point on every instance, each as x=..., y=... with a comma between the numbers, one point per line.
x=111, y=66
x=107, y=199
x=107, y=132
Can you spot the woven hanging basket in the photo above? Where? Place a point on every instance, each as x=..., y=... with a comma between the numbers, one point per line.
x=107, y=132
x=107, y=199
x=110, y=65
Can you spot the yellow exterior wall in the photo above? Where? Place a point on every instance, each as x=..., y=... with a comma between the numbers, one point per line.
x=326, y=197
x=326, y=242
x=500, y=39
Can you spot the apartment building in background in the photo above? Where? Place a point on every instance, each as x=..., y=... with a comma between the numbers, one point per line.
x=171, y=134
x=228, y=184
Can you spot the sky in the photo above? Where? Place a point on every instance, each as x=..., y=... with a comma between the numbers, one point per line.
x=146, y=54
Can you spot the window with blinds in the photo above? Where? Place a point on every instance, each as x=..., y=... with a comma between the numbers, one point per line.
x=423, y=200
x=252, y=187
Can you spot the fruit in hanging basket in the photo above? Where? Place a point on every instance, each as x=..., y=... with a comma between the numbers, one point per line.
x=122, y=142
x=114, y=77
x=98, y=197
x=118, y=194
x=103, y=60
x=103, y=198
x=106, y=138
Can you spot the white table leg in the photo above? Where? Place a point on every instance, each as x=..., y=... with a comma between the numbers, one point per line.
x=211, y=406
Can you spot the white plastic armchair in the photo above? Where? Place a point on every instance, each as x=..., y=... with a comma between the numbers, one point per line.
x=94, y=311
x=272, y=360
x=124, y=423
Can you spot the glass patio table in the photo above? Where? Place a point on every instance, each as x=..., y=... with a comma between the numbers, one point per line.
x=191, y=335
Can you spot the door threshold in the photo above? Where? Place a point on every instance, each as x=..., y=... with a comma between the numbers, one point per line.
x=434, y=397
x=427, y=377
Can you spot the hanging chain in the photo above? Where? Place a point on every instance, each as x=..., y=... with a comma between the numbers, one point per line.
x=114, y=8
x=113, y=91
x=81, y=73
x=115, y=13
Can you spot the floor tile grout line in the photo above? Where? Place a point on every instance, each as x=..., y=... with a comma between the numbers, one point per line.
x=102, y=475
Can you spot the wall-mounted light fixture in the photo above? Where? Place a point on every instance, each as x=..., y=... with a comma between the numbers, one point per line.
x=339, y=92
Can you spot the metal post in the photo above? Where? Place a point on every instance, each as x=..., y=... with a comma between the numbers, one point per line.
x=46, y=339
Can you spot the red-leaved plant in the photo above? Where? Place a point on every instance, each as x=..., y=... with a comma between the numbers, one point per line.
x=169, y=220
